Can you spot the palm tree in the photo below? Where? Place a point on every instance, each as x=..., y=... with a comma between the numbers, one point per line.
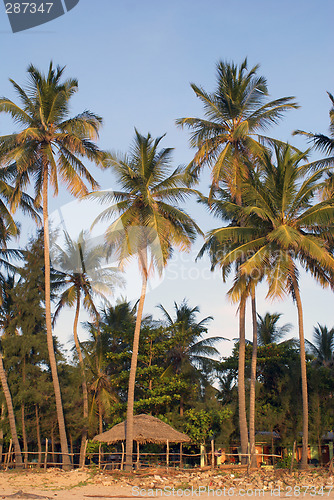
x=235, y=113
x=50, y=144
x=322, y=346
x=323, y=142
x=84, y=280
x=192, y=351
x=148, y=225
x=113, y=334
x=267, y=329
x=193, y=348
x=283, y=225
x=99, y=380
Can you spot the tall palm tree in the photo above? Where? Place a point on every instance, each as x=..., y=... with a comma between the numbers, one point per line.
x=148, y=224
x=267, y=329
x=322, y=346
x=283, y=226
x=235, y=113
x=83, y=279
x=49, y=145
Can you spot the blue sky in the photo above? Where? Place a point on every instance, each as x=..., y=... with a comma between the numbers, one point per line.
x=134, y=61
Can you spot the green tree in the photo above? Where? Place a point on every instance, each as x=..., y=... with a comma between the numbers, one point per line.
x=5, y=315
x=150, y=224
x=194, y=349
x=191, y=351
x=49, y=145
x=322, y=346
x=267, y=329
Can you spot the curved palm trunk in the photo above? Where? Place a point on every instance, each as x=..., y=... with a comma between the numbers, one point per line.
x=83, y=382
x=253, y=385
x=241, y=383
x=132, y=378
x=11, y=416
x=53, y=364
x=302, y=369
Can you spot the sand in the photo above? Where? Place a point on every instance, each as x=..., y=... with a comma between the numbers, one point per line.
x=86, y=485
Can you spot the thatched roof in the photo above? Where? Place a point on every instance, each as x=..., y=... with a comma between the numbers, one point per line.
x=146, y=429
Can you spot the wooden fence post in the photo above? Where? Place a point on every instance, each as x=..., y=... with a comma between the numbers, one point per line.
x=122, y=460
x=167, y=454
x=212, y=454
x=9, y=452
x=100, y=445
x=84, y=454
x=138, y=456
x=46, y=454
x=181, y=461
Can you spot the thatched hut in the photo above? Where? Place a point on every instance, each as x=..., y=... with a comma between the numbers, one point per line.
x=146, y=429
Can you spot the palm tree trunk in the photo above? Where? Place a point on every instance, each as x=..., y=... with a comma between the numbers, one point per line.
x=53, y=445
x=24, y=436
x=11, y=416
x=100, y=417
x=83, y=382
x=132, y=378
x=1, y=430
x=181, y=406
x=253, y=385
x=302, y=369
x=24, y=433
x=53, y=363
x=241, y=383
x=38, y=433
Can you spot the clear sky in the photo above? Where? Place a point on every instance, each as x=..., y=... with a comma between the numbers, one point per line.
x=134, y=61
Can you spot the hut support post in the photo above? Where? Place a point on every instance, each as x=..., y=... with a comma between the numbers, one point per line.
x=202, y=455
x=212, y=454
x=181, y=458
x=293, y=456
x=122, y=460
x=167, y=454
x=100, y=445
x=138, y=456
x=46, y=454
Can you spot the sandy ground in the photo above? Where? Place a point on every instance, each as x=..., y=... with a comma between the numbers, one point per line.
x=81, y=485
